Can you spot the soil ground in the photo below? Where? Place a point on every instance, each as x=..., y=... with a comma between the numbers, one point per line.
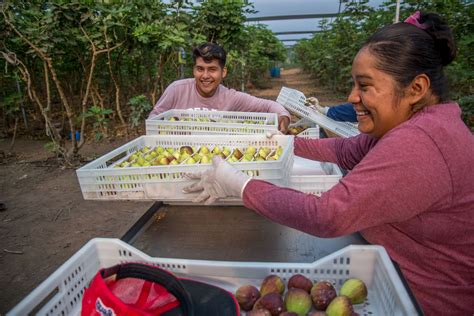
x=46, y=220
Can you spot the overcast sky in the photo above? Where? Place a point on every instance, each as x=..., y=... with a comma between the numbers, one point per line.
x=267, y=8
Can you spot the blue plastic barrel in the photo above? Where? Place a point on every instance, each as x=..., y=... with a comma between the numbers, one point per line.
x=275, y=72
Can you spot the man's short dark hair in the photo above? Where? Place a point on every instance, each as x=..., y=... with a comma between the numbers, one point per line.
x=209, y=52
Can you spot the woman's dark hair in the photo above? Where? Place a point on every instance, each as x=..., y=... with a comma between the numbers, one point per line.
x=405, y=51
x=209, y=52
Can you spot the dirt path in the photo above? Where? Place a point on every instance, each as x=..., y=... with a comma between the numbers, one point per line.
x=46, y=219
x=295, y=78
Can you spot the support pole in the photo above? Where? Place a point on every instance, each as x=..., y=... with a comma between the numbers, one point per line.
x=397, y=12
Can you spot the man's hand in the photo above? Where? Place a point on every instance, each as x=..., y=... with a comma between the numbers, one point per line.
x=283, y=122
x=311, y=101
x=221, y=181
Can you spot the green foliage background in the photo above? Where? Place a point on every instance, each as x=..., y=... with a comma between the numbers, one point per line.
x=80, y=62
x=328, y=55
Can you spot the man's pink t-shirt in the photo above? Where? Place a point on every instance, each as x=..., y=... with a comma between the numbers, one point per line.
x=182, y=94
x=412, y=191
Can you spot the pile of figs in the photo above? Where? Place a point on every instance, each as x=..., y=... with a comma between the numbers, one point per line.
x=301, y=298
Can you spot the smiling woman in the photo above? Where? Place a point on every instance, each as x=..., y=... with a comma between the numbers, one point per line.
x=410, y=184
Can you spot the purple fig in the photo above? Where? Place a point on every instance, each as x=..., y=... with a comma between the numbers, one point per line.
x=288, y=314
x=340, y=306
x=355, y=290
x=322, y=293
x=299, y=281
x=317, y=313
x=272, y=302
x=298, y=301
x=259, y=312
x=247, y=295
x=272, y=284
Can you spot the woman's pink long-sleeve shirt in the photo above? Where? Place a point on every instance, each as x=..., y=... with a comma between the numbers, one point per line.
x=182, y=94
x=412, y=191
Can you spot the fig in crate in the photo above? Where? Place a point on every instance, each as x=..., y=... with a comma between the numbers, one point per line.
x=340, y=306
x=296, y=130
x=237, y=154
x=322, y=293
x=247, y=158
x=190, y=161
x=250, y=151
x=317, y=313
x=271, y=302
x=259, y=312
x=355, y=290
x=186, y=149
x=226, y=152
x=299, y=281
x=183, y=157
x=216, y=150
x=264, y=152
x=298, y=301
x=206, y=159
x=204, y=150
x=159, y=150
x=247, y=295
x=133, y=157
x=272, y=284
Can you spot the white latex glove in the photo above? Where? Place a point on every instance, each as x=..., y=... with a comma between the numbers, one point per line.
x=270, y=134
x=312, y=101
x=221, y=181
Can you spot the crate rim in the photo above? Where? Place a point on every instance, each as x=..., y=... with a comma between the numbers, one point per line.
x=42, y=289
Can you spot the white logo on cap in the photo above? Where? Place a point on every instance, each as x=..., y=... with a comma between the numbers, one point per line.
x=102, y=309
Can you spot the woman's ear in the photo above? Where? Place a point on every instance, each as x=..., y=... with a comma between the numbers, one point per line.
x=419, y=90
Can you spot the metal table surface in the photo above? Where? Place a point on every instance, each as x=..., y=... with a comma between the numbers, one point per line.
x=231, y=233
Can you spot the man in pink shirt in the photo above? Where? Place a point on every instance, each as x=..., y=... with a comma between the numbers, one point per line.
x=206, y=91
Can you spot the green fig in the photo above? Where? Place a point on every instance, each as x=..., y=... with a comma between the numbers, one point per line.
x=288, y=314
x=271, y=302
x=299, y=281
x=355, y=290
x=322, y=293
x=340, y=306
x=298, y=301
x=272, y=283
x=317, y=313
x=246, y=296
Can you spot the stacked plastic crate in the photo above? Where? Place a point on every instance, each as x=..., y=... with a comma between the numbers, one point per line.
x=178, y=142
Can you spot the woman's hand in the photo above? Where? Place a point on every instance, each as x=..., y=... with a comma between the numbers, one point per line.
x=221, y=181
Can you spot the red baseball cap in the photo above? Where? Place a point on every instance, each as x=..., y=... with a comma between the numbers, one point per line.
x=135, y=289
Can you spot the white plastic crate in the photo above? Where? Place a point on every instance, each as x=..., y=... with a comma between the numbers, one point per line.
x=61, y=293
x=99, y=180
x=312, y=130
x=308, y=176
x=192, y=122
x=314, y=177
x=294, y=101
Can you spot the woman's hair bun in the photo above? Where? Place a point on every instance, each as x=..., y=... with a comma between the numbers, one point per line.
x=442, y=35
